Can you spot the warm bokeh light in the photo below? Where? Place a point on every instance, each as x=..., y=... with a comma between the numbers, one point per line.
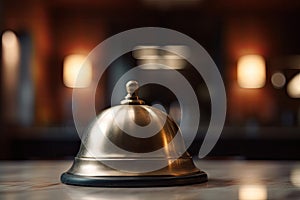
x=253, y=192
x=161, y=59
x=278, y=80
x=9, y=39
x=293, y=87
x=162, y=63
x=251, y=71
x=10, y=49
x=77, y=72
x=295, y=177
x=145, y=52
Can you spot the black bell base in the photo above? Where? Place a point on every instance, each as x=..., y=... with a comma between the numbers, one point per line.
x=133, y=181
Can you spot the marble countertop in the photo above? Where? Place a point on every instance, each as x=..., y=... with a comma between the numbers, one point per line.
x=243, y=180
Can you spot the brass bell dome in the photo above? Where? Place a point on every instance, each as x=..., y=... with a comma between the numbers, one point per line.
x=133, y=145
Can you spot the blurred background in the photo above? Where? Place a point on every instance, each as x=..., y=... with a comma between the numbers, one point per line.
x=255, y=44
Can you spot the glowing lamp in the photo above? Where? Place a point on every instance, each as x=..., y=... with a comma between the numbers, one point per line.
x=11, y=50
x=77, y=72
x=10, y=70
x=251, y=71
x=293, y=87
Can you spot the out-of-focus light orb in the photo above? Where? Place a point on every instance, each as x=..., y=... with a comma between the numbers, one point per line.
x=77, y=72
x=162, y=64
x=9, y=39
x=146, y=52
x=293, y=87
x=159, y=59
x=295, y=177
x=278, y=80
x=253, y=192
x=251, y=71
x=174, y=63
x=10, y=49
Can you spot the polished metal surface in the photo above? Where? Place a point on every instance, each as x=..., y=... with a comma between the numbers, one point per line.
x=133, y=140
x=132, y=88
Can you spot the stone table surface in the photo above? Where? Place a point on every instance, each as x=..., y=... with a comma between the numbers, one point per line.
x=256, y=180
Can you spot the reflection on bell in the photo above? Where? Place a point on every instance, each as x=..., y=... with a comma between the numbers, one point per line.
x=133, y=145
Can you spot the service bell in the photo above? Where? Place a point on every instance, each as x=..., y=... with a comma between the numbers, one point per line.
x=133, y=145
